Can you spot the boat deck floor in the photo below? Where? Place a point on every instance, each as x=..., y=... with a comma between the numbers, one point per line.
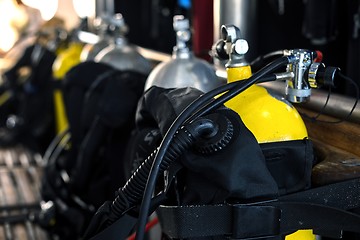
x=20, y=180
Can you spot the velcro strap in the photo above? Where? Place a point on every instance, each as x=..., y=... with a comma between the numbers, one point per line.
x=220, y=220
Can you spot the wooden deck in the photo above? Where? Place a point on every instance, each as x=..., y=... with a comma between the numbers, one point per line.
x=336, y=147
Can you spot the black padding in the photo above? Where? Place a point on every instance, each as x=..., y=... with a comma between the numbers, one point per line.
x=290, y=163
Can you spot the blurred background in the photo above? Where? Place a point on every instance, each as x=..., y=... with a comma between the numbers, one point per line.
x=330, y=26
x=107, y=53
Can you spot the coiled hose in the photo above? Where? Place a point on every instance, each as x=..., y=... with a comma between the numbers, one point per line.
x=132, y=192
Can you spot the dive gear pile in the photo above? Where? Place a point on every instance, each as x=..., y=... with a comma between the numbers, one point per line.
x=211, y=161
x=211, y=195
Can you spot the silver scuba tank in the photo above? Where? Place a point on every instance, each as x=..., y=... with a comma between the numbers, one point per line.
x=105, y=36
x=184, y=69
x=120, y=54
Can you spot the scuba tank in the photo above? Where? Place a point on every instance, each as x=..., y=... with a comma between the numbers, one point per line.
x=105, y=31
x=63, y=63
x=26, y=96
x=226, y=184
x=66, y=59
x=184, y=69
x=270, y=118
x=69, y=56
x=120, y=54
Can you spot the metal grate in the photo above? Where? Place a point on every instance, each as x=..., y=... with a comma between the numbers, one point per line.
x=20, y=176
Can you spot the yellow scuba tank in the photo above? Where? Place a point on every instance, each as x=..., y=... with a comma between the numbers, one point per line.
x=270, y=118
x=63, y=63
x=67, y=59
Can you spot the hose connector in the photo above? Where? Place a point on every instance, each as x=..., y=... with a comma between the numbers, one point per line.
x=308, y=72
x=298, y=88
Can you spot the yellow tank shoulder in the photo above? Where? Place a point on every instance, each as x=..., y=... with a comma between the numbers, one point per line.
x=67, y=59
x=269, y=117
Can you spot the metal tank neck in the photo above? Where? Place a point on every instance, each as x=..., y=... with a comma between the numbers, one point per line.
x=120, y=41
x=118, y=28
x=182, y=28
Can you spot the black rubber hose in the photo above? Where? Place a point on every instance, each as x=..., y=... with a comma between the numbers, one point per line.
x=262, y=60
x=132, y=192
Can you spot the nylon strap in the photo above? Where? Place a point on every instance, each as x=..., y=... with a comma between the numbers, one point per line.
x=322, y=209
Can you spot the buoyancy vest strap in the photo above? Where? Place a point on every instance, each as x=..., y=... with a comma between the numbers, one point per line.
x=239, y=221
x=236, y=221
x=343, y=195
x=323, y=209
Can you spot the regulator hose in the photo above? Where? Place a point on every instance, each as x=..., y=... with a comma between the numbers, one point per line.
x=186, y=137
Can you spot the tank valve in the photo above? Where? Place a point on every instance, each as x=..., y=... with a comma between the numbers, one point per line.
x=117, y=23
x=231, y=47
x=298, y=88
x=182, y=28
x=307, y=73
